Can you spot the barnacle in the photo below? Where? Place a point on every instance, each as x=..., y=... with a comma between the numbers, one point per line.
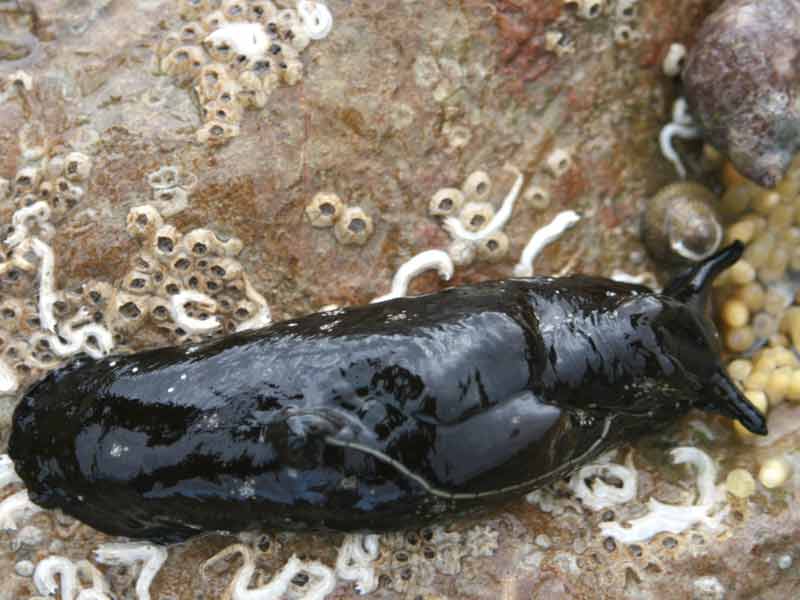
x=475, y=216
x=473, y=224
x=559, y=161
x=354, y=227
x=494, y=247
x=235, y=54
x=324, y=209
x=446, y=202
x=477, y=187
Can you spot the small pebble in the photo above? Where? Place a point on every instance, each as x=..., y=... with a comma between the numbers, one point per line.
x=785, y=561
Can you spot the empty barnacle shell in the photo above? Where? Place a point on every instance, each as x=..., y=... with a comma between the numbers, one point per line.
x=213, y=20
x=494, y=247
x=354, y=227
x=477, y=186
x=680, y=224
x=165, y=242
x=143, y=221
x=183, y=60
x=446, y=202
x=191, y=9
x=262, y=12
x=235, y=10
x=476, y=215
x=324, y=209
x=741, y=80
x=215, y=132
x=26, y=180
x=167, y=176
x=77, y=166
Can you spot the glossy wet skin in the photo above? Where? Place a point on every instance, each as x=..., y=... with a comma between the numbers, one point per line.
x=368, y=418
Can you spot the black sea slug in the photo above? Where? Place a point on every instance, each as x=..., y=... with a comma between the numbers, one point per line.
x=375, y=417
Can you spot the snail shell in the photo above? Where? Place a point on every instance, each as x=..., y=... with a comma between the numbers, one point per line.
x=741, y=81
x=680, y=224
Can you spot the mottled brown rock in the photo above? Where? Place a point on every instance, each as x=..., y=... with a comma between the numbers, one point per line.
x=743, y=83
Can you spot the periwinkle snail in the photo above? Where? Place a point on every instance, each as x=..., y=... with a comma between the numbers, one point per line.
x=680, y=225
x=374, y=417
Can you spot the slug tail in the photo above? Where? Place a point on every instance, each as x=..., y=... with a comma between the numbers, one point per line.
x=692, y=286
x=726, y=399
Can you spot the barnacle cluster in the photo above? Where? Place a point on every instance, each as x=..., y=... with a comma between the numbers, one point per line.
x=45, y=188
x=180, y=286
x=170, y=188
x=352, y=226
x=411, y=559
x=235, y=53
x=471, y=220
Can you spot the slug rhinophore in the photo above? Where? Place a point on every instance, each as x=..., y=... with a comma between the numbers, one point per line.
x=374, y=417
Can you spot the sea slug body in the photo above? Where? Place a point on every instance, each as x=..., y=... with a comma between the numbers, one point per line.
x=381, y=416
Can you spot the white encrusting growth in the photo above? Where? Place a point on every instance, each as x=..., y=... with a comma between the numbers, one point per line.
x=316, y=18
x=69, y=573
x=682, y=126
x=92, y=594
x=81, y=333
x=16, y=506
x=100, y=588
x=39, y=212
x=324, y=583
x=77, y=334
x=623, y=277
x=44, y=577
x=675, y=518
x=264, y=315
x=8, y=379
x=245, y=39
x=600, y=494
x=424, y=261
x=193, y=325
x=674, y=60
x=542, y=238
x=7, y=473
x=354, y=562
x=457, y=230
x=151, y=556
